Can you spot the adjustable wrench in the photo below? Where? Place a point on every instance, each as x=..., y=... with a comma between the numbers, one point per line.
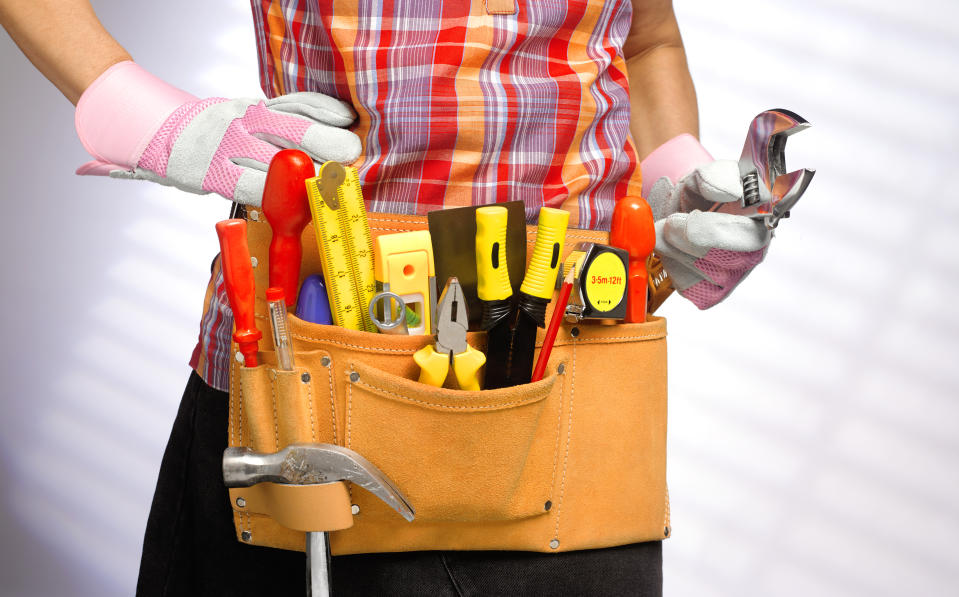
x=768, y=191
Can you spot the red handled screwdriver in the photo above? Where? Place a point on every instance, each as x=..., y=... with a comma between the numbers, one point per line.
x=238, y=277
x=287, y=209
x=633, y=229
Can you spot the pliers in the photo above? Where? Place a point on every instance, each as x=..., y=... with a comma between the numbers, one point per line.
x=450, y=348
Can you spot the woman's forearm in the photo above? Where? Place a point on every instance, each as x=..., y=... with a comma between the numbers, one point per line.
x=63, y=39
x=662, y=96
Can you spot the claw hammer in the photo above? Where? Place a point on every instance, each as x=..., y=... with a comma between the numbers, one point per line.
x=312, y=464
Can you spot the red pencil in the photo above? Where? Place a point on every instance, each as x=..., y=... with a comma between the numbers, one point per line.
x=559, y=309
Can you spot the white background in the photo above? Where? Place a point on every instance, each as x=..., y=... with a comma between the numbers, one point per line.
x=813, y=416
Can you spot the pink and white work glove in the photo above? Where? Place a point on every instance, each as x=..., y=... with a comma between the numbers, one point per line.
x=706, y=253
x=139, y=127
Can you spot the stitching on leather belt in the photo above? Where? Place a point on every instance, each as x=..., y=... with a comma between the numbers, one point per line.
x=569, y=440
x=403, y=398
x=329, y=377
x=309, y=401
x=276, y=422
x=233, y=395
x=359, y=346
x=559, y=427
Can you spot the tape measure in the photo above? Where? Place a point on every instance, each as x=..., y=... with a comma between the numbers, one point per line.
x=345, y=243
x=600, y=284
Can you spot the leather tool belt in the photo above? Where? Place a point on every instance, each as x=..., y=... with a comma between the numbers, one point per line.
x=574, y=461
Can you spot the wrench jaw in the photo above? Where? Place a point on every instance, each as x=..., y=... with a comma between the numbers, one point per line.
x=768, y=191
x=786, y=193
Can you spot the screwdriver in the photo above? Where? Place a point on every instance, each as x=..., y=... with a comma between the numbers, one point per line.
x=537, y=290
x=494, y=290
x=511, y=332
x=287, y=209
x=238, y=278
x=276, y=305
x=633, y=229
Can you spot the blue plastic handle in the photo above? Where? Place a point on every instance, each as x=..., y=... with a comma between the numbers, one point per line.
x=313, y=304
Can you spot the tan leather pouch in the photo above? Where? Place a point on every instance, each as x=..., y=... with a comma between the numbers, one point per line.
x=574, y=461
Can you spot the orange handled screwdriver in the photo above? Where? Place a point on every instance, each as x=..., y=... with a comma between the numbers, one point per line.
x=633, y=229
x=287, y=209
x=238, y=277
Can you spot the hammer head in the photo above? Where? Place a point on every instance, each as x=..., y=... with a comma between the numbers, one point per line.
x=768, y=191
x=310, y=464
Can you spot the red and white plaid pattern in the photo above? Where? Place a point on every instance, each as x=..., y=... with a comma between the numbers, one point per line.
x=458, y=107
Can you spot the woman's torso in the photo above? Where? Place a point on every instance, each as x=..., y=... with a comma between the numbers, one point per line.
x=458, y=106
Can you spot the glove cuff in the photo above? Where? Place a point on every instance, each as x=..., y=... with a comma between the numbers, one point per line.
x=673, y=159
x=121, y=111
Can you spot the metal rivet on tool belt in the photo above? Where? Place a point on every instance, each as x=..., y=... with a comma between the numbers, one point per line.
x=574, y=332
x=561, y=369
x=254, y=215
x=240, y=502
x=354, y=377
x=253, y=261
x=549, y=505
x=666, y=531
x=355, y=509
x=246, y=536
x=305, y=378
x=325, y=361
x=554, y=544
x=239, y=357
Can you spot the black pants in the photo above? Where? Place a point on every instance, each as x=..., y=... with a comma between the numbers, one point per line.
x=190, y=547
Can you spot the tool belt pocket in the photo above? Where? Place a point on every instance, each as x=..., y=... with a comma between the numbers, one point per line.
x=574, y=461
x=460, y=456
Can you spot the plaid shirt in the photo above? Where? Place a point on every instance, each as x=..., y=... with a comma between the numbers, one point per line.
x=457, y=106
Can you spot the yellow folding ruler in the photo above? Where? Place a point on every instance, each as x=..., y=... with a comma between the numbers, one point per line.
x=346, y=246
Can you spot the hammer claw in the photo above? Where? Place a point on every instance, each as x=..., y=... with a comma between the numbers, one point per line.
x=309, y=464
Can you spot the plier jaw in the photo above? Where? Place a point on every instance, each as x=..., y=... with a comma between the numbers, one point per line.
x=451, y=349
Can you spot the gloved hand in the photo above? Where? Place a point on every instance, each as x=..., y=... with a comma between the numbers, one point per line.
x=706, y=253
x=139, y=127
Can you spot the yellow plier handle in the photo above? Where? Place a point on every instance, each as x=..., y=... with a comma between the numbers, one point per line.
x=435, y=366
x=466, y=366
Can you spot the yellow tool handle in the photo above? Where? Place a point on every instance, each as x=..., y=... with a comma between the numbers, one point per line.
x=434, y=366
x=466, y=366
x=540, y=280
x=491, y=271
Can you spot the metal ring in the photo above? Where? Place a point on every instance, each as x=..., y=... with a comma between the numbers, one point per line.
x=389, y=326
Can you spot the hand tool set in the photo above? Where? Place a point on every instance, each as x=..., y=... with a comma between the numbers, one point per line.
x=389, y=285
x=479, y=251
